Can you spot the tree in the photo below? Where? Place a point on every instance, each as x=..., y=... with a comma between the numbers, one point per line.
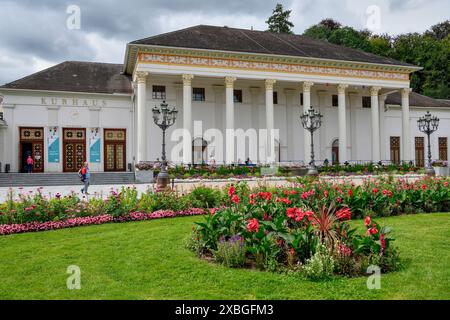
x=279, y=21
x=323, y=29
x=440, y=31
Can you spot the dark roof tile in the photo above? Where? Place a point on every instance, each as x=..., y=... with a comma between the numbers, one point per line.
x=75, y=76
x=264, y=42
x=417, y=100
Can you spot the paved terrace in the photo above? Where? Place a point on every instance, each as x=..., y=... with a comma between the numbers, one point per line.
x=180, y=185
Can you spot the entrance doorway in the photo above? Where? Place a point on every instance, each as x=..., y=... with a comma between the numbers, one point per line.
x=31, y=144
x=74, y=149
x=115, y=149
x=335, y=152
x=395, y=149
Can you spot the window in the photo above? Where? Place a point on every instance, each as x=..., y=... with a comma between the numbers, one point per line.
x=443, y=149
x=198, y=94
x=420, y=151
x=335, y=100
x=237, y=96
x=301, y=99
x=275, y=97
x=395, y=149
x=159, y=92
x=366, y=102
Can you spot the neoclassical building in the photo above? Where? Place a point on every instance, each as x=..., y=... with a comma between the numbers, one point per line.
x=219, y=79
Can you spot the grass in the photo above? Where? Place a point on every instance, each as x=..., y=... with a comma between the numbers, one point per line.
x=147, y=260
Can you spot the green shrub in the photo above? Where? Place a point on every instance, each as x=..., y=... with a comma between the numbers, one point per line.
x=204, y=197
x=320, y=266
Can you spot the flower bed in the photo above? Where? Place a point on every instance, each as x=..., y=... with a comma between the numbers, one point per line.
x=7, y=229
x=304, y=228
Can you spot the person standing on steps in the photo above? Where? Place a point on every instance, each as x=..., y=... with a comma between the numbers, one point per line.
x=85, y=175
x=30, y=163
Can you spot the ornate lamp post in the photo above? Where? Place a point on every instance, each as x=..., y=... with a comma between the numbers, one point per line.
x=428, y=124
x=311, y=121
x=164, y=117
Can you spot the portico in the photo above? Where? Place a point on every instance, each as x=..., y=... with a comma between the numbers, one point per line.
x=260, y=97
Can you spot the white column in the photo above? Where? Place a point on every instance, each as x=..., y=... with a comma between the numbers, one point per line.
x=383, y=135
x=187, y=118
x=229, y=119
x=290, y=94
x=270, y=145
x=342, y=123
x=306, y=135
x=141, y=78
x=406, y=130
x=375, y=110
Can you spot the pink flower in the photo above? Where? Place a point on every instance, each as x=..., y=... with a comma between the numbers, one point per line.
x=252, y=225
x=235, y=198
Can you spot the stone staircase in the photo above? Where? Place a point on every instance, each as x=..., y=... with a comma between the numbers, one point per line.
x=63, y=179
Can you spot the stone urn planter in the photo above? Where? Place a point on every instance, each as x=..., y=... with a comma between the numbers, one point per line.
x=144, y=176
x=442, y=171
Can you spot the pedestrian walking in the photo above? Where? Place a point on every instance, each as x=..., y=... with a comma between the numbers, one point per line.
x=30, y=163
x=85, y=174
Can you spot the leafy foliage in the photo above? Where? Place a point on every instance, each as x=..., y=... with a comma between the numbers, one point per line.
x=279, y=21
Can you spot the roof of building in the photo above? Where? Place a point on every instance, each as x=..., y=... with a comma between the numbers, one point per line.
x=417, y=100
x=76, y=76
x=263, y=42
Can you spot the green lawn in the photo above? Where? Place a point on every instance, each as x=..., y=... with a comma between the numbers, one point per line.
x=147, y=260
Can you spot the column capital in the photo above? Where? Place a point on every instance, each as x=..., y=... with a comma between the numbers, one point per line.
x=307, y=86
x=269, y=84
x=229, y=82
x=141, y=76
x=374, y=91
x=187, y=79
x=341, y=88
x=405, y=92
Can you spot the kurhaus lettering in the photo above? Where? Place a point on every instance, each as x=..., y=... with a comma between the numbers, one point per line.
x=75, y=102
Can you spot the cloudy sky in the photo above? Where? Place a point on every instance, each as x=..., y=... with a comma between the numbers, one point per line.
x=34, y=33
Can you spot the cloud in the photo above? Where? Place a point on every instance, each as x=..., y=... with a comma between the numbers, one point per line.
x=34, y=35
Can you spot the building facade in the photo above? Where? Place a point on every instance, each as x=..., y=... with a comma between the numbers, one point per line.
x=224, y=82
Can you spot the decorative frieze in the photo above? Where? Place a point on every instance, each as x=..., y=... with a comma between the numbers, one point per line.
x=223, y=63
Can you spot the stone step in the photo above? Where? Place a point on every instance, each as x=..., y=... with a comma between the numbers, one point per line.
x=63, y=179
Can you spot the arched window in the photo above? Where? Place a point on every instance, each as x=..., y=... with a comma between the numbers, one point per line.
x=199, y=151
x=335, y=152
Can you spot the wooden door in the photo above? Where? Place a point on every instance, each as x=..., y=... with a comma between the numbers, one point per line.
x=115, y=149
x=443, y=147
x=420, y=151
x=395, y=149
x=74, y=149
x=31, y=143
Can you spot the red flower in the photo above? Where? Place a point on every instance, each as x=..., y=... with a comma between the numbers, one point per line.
x=383, y=242
x=325, y=193
x=252, y=225
x=235, y=199
x=372, y=231
x=231, y=191
x=344, y=214
x=367, y=221
x=267, y=217
x=350, y=192
x=424, y=187
x=292, y=251
x=212, y=211
x=339, y=200
x=284, y=200
x=446, y=184
x=374, y=190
